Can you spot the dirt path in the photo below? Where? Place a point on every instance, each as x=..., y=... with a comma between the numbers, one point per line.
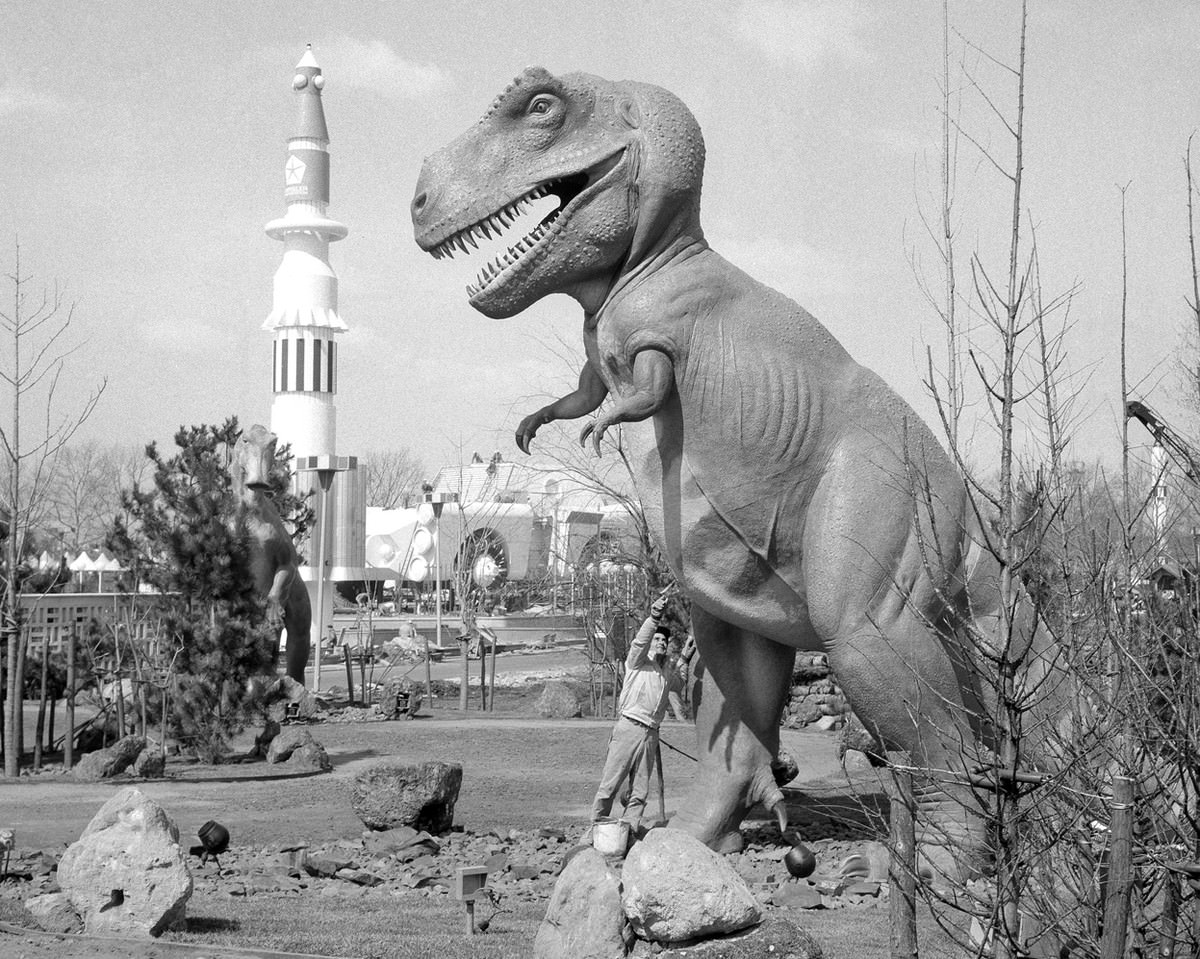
x=505, y=783
x=518, y=774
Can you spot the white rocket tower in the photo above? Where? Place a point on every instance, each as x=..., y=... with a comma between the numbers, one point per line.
x=304, y=322
x=304, y=315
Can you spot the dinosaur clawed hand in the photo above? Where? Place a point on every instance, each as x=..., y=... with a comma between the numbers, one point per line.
x=529, y=426
x=596, y=430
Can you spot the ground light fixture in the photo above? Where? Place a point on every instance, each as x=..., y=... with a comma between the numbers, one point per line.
x=469, y=886
x=214, y=840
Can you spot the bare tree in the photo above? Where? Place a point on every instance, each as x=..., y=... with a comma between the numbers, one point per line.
x=80, y=501
x=393, y=478
x=37, y=332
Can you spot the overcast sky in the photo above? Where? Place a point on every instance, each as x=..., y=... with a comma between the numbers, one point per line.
x=142, y=146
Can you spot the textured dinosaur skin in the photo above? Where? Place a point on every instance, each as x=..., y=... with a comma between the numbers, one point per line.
x=273, y=558
x=799, y=501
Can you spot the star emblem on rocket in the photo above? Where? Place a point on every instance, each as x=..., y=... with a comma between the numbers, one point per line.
x=294, y=171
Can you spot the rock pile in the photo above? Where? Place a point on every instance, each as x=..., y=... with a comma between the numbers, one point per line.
x=816, y=699
x=523, y=865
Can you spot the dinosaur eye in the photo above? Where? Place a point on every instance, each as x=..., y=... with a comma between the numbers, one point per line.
x=540, y=105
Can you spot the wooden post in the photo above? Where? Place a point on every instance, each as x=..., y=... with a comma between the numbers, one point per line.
x=492, y=679
x=349, y=674
x=1120, y=871
x=166, y=699
x=50, y=725
x=470, y=917
x=1170, y=915
x=141, y=688
x=69, y=704
x=483, y=696
x=428, y=677
x=363, y=653
x=40, y=728
x=19, y=712
x=902, y=868
x=465, y=679
x=122, y=731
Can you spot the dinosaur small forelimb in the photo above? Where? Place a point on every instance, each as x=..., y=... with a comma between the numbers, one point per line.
x=653, y=379
x=584, y=399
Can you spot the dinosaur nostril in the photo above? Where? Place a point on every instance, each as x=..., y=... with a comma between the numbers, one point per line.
x=419, y=201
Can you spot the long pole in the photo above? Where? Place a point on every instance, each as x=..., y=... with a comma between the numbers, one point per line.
x=428, y=673
x=325, y=478
x=69, y=704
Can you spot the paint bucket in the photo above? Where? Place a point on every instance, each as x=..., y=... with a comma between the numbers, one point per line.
x=610, y=837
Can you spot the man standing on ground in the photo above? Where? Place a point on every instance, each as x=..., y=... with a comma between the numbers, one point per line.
x=649, y=678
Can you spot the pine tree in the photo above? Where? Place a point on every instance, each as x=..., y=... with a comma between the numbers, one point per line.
x=184, y=538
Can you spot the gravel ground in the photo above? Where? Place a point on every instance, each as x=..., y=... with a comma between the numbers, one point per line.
x=526, y=793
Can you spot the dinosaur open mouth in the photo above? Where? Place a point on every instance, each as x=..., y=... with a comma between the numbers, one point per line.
x=565, y=189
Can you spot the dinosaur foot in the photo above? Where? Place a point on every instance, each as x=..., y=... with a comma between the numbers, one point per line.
x=714, y=815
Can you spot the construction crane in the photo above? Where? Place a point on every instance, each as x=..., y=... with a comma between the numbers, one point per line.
x=1166, y=443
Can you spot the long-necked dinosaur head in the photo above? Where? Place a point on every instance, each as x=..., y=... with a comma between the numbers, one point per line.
x=624, y=160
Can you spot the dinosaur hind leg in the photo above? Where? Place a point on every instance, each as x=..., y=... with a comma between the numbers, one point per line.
x=746, y=683
x=297, y=617
x=902, y=683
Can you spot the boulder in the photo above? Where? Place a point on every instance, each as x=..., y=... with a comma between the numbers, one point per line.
x=150, y=763
x=291, y=700
x=421, y=795
x=559, y=701
x=54, y=913
x=296, y=747
x=584, y=919
x=106, y=763
x=775, y=937
x=126, y=875
x=676, y=888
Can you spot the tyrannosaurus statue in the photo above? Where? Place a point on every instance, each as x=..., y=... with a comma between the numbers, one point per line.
x=799, y=501
x=273, y=557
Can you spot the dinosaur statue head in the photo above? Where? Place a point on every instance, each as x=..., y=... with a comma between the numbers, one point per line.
x=624, y=160
x=254, y=458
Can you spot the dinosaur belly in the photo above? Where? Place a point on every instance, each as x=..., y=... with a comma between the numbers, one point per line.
x=718, y=569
